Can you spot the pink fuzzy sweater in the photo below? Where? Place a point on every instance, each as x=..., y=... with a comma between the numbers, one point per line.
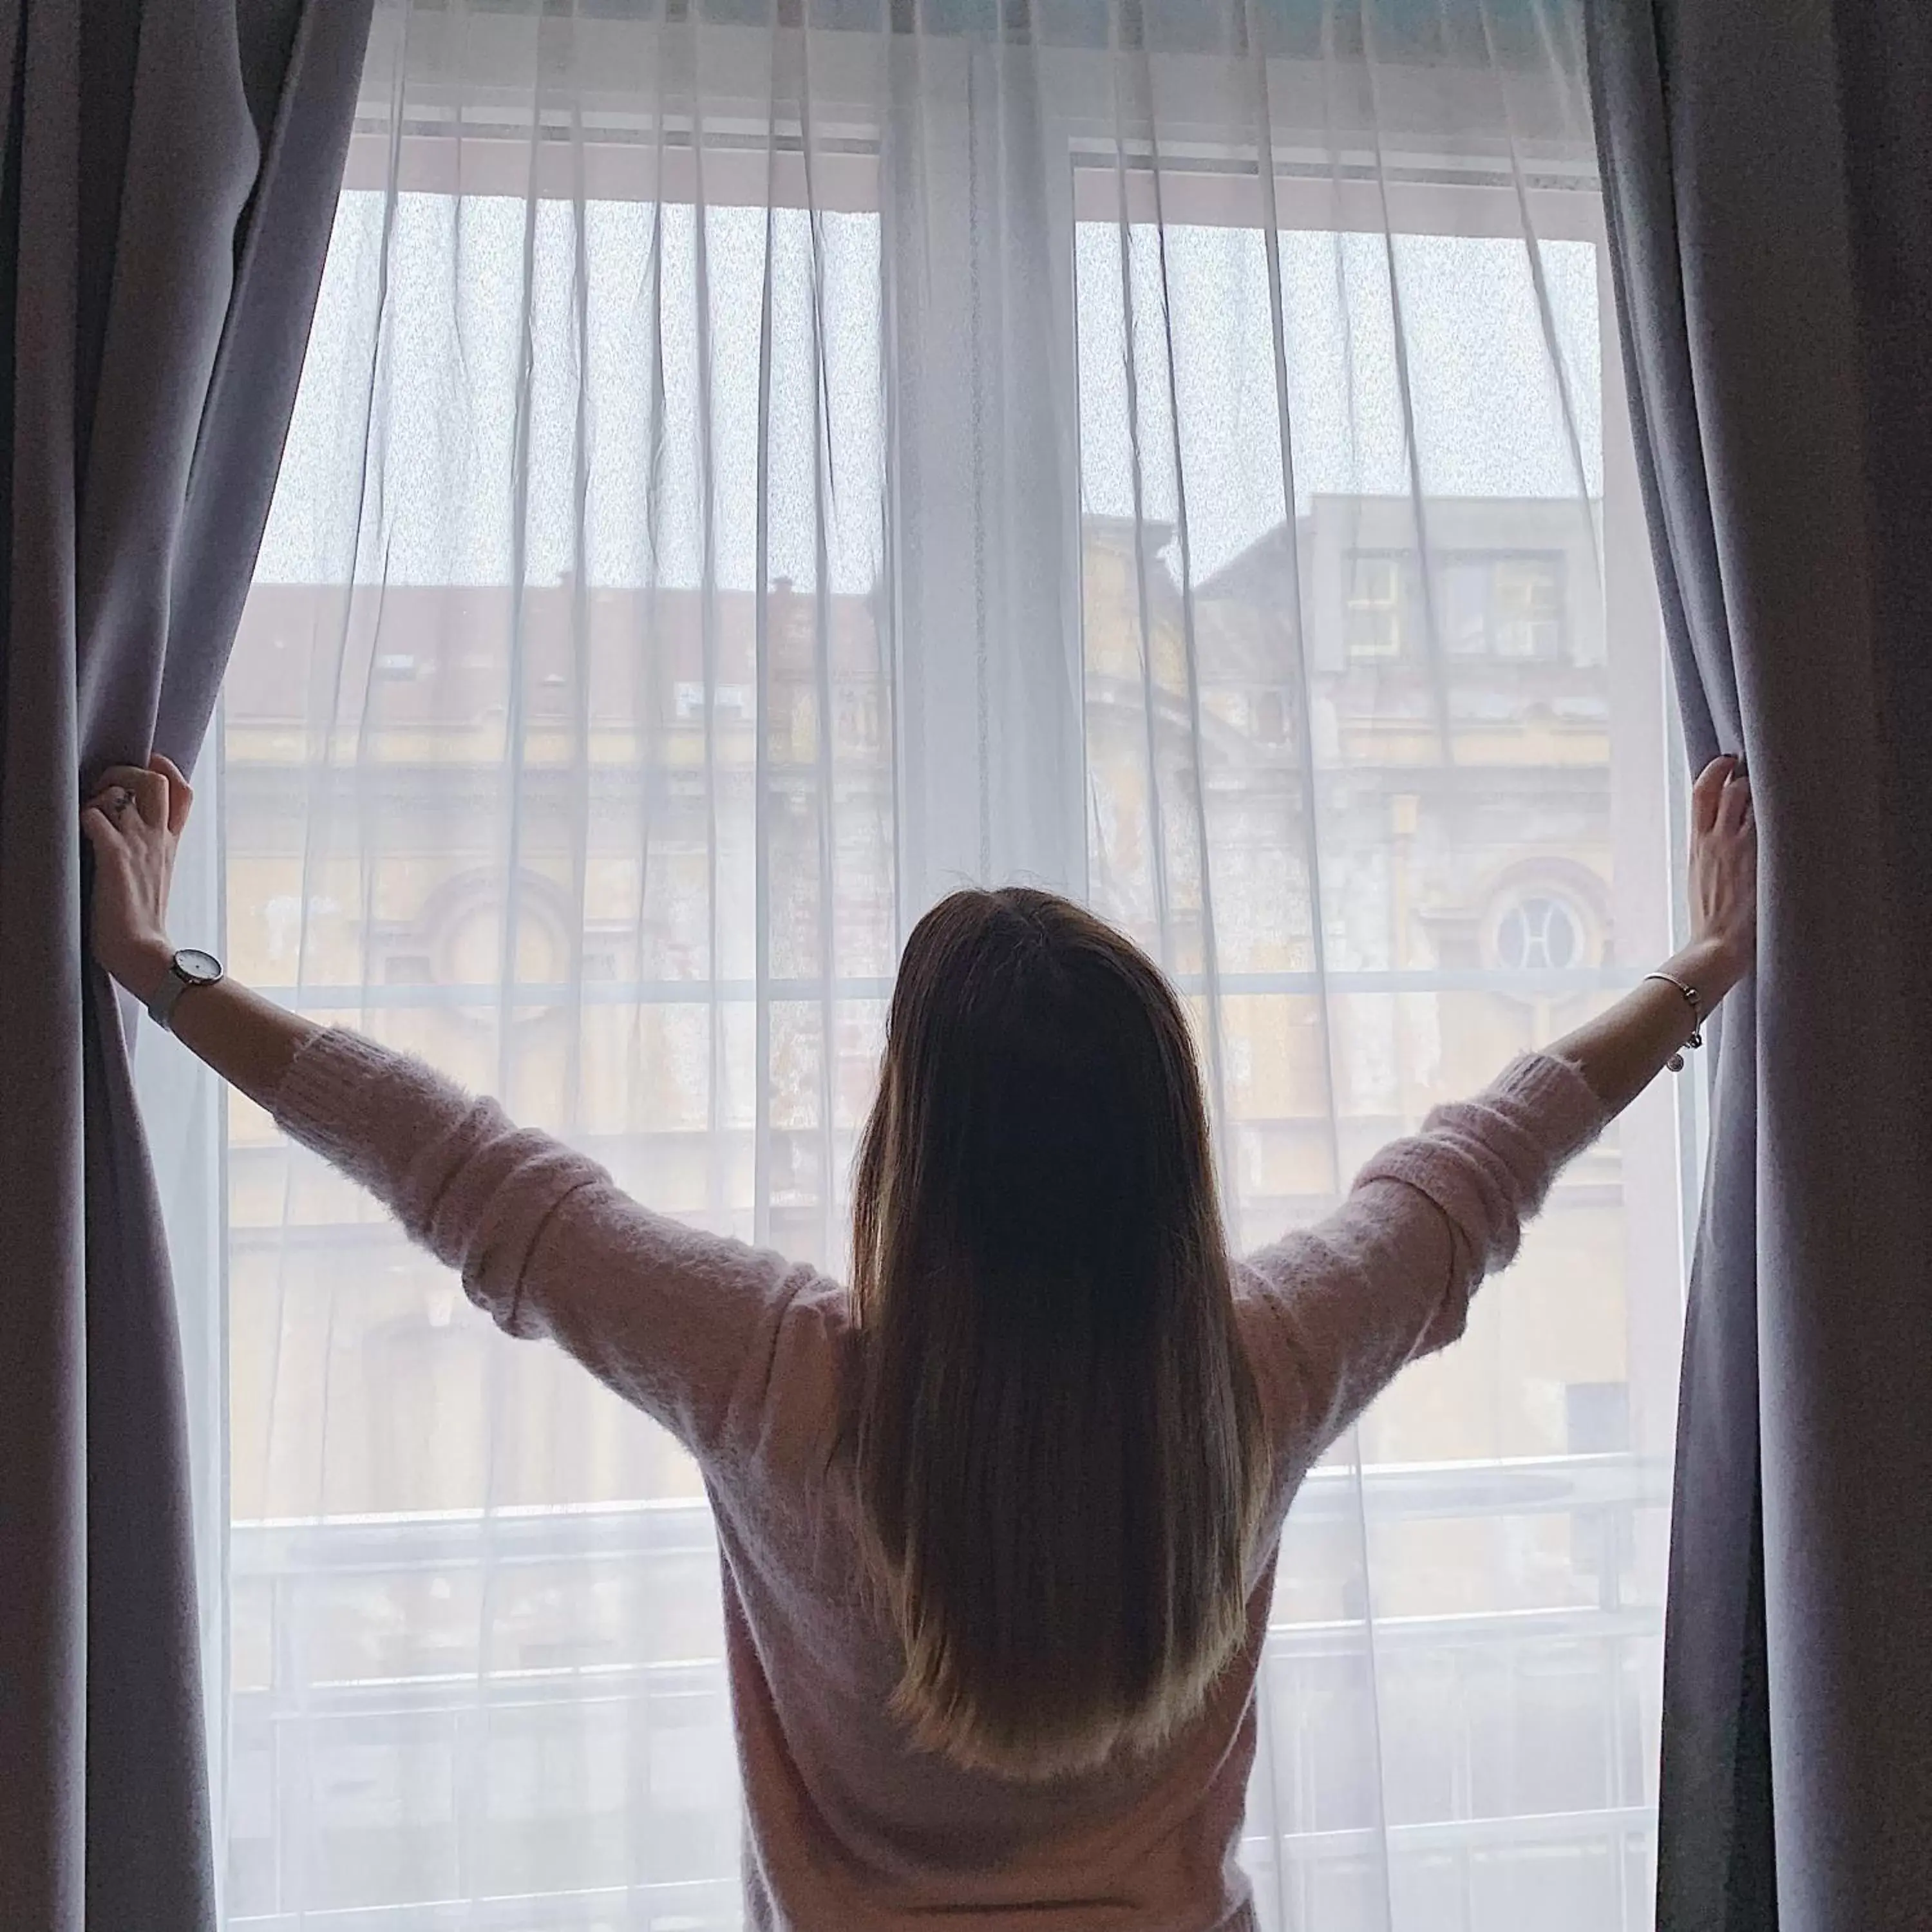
x=740, y=1354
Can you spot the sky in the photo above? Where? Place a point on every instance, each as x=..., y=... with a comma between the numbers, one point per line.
x=423, y=385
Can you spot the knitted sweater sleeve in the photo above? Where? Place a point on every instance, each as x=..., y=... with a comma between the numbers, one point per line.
x=1333, y=1311
x=683, y=1324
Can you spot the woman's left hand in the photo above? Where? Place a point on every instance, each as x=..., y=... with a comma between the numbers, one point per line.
x=1722, y=877
x=134, y=821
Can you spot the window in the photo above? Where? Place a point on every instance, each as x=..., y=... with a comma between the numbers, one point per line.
x=1526, y=607
x=1540, y=934
x=1488, y=605
x=1503, y=606
x=858, y=715
x=728, y=701
x=593, y=854
x=1380, y=615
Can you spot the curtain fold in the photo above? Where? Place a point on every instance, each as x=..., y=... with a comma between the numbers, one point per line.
x=756, y=468
x=164, y=173
x=1766, y=176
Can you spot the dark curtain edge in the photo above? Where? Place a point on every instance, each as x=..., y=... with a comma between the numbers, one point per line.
x=258, y=368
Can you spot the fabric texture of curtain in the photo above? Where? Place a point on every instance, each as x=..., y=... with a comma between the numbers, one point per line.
x=1774, y=313
x=755, y=470
x=167, y=182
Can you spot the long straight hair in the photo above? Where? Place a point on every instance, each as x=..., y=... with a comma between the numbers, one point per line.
x=1059, y=1454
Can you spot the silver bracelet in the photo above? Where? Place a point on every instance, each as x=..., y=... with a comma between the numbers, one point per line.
x=1696, y=999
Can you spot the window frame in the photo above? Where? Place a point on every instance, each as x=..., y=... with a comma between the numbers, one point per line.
x=1609, y=1482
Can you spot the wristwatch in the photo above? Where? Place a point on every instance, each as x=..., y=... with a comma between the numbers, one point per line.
x=188, y=967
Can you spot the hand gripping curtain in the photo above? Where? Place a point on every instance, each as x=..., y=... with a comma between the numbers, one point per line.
x=1767, y=175
x=168, y=179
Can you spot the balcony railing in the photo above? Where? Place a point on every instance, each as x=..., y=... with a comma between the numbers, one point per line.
x=282, y=1557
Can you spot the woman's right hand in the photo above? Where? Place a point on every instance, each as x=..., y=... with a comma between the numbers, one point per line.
x=1723, y=874
x=133, y=822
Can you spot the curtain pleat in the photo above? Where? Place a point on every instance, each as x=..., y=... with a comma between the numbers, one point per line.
x=1779, y=395
x=164, y=192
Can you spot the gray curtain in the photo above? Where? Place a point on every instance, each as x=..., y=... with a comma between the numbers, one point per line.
x=1768, y=173
x=168, y=175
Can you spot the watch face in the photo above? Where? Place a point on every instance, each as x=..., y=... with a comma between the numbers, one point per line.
x=202, y=969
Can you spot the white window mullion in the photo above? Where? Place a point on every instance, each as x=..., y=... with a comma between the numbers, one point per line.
x=977, y=256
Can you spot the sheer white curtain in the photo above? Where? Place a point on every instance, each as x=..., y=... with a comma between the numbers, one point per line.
x=754, y=471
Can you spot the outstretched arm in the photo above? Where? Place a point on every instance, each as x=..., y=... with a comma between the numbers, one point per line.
x=1336, y=1309
x=685, y=1324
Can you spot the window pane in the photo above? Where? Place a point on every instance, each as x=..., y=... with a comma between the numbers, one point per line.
x=1377, y=618
x=1428, y=872
x=1466, y=583
x=511, y=783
